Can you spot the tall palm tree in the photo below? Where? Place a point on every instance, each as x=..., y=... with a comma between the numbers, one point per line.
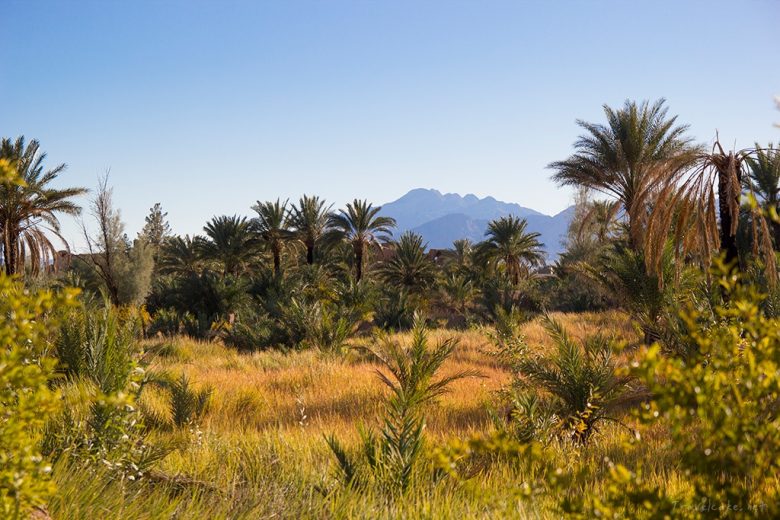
x=309, y=220
x=28, y=209
x=230, y=242
x=763, y=178
x=361, y=226
x=180, y=255
x=624, y=157
x=509, y=244
x=272, y=224
x=698, y=208
x=409, y=267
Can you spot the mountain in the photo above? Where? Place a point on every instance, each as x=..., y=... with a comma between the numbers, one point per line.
x=443, y=218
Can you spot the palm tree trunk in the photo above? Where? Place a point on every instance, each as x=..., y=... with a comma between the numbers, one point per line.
x=9, y=252
x=633, y=243
x=728, y=241
x=310, y=254
x=358, y=260
x=277, y=259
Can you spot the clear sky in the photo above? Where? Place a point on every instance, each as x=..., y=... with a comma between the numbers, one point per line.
x=207, y=107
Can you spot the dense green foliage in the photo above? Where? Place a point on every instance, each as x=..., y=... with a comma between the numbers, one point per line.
x=663, y=404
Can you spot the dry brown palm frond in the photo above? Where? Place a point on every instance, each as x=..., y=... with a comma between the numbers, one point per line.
x=684, y=208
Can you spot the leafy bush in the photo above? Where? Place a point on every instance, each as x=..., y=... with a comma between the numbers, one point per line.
x=722, y=404
x=508, y=338
x=250, y=332
x=26, y=398
x=356, y=299
x=170, y=322
x=327, y=331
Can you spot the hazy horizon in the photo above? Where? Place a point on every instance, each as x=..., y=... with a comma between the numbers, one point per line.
x=207, y=107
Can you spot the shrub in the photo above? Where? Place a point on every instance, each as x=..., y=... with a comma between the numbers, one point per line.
x=722, y=404
x=25, y=396
x=187, y=405
x=250, y=332
x=168, y=322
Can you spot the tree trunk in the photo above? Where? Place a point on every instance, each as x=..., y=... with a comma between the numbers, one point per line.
x=9, y=253
x=277, y=260
x=776, y=232
x=358, y=261
x=114, y=295
x=636, y=234
x=728, y=241
x=310, y=254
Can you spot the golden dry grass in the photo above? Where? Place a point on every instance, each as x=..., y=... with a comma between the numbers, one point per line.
x=273, y=390
x=261, y=443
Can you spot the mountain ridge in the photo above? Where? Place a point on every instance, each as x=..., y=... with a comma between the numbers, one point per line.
x=442, y=218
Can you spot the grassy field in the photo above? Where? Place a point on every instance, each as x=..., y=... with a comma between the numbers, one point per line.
x=260, y=451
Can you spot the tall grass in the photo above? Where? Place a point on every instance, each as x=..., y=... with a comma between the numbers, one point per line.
x=261, y=453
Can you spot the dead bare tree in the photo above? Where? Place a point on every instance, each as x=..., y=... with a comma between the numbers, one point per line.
x=104, y=245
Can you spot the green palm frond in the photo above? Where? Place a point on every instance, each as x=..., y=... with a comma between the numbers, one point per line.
x=272, y=224
x=580, y=377
x=409, y=266
x=29, y=209
x=309, y=221
x=361, y=226
x=625, y=157
x=230, y=242
x=510, y=246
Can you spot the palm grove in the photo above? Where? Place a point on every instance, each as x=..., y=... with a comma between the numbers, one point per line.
x=681, y=237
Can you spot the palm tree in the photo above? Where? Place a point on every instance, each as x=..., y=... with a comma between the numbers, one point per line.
x=180, y=255
x=412, y=375
x=698, y=208
x=582, y=380
x=409, y=267
x=28, y=209
x=600, y=222
x=272, y=224
x=508, y=244
x=624, y=158
x=460, y=254
x=230, y=241
x=458, y=292
x=309, y=220
x=360, y=226
x=622, y=273
x=763, y=179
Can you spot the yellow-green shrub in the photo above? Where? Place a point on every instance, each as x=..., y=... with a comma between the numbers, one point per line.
x=25, y=397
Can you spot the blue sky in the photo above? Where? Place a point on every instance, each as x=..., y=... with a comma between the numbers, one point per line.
x=207, y=107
